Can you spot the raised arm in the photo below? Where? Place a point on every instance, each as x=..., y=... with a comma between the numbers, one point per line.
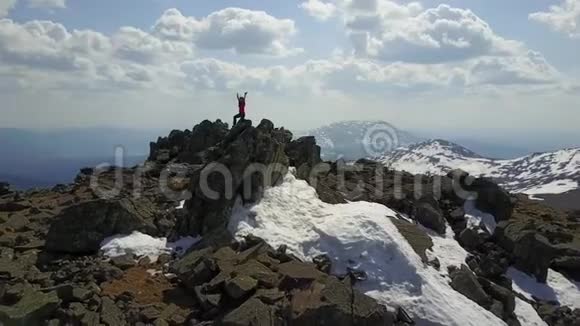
x=245, y=95
x=238, y=96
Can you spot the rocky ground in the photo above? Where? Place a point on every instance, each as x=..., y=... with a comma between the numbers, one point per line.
x=52, y=273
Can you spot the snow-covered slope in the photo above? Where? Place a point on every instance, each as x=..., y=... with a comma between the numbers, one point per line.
x=539, y=173
x=346, y=139
x=361, y=235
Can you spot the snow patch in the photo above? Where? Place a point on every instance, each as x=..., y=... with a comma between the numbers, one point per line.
x=475, y=217
x=359, y=235
x=557, y=287
x=144, y=245
x=554, y=187
x=446, y=250
x=527, y=315
x=181, y=205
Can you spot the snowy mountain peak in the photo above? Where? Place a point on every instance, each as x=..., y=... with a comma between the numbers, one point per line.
x=539, y=173
x=346, y=139
x=442, y=147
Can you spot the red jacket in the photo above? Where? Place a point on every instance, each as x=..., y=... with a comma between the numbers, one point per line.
x=242, y=106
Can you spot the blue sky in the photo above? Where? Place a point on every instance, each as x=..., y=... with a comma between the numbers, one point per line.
x=456, y=67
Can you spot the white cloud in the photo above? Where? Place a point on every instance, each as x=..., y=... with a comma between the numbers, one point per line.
x=242, y=30
x=319, y=9
x=408, y=33
x=564, y=18
x=6, y=6
x=44, y=54
x=48, y=4
x=135, y=45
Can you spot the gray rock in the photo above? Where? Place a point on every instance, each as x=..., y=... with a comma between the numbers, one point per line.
x=111, y=315
x=323, y=263
x=243, y=146
x=240, y=287
x=32, y=309
x=252, y=313
x=150, y=314
x=503, y=295
x=331, y=302
x=296, y=274
x=269, y=296
x=492, y=199
x=91, y=318
x=82, y=228
x=466, y=283
x=428, y=213
x=470, y=238
x=304, y=154
x=258, y=271
x=533, y=253
x=416, y=236
x=124, y=261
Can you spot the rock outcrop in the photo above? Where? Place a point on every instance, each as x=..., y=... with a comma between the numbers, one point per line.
x=245, y=161
x=82, y=228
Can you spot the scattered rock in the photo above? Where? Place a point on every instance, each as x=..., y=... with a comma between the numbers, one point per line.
x=323, y=263
x=330, y=302
x=470, y=238
x=429, y=215
x=124, y=262
x=252, y=313
x=240, y=287
x=111, y=315
x=532, y=252
x=465, y=282
x=33, y=308
x=296, y=274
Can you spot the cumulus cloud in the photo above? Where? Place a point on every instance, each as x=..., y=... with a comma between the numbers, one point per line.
x=133, y=44
x=49, y=4
x=244, y=31
x=6, y=6
x=47, y=54
x=406, y=31
x=319, y=9
x=441, y=34
x=564, y=18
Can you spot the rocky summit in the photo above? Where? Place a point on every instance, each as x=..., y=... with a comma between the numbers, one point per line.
x=62, y=263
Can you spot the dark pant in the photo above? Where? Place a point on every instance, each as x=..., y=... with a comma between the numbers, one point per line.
x=240, y=116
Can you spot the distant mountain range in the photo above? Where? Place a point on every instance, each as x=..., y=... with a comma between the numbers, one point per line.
x=349, y=140
x=45, y=158
x=41, y=159
x=553, y=173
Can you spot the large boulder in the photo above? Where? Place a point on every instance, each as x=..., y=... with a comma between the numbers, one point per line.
x=492, y=199
x=252, y=313
x=331, y=302
x=428, y=213
x=465, y=282
x=246, y=161
x=33, y=308
x=532, y=252
x=82, y=228
x=304, y=154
